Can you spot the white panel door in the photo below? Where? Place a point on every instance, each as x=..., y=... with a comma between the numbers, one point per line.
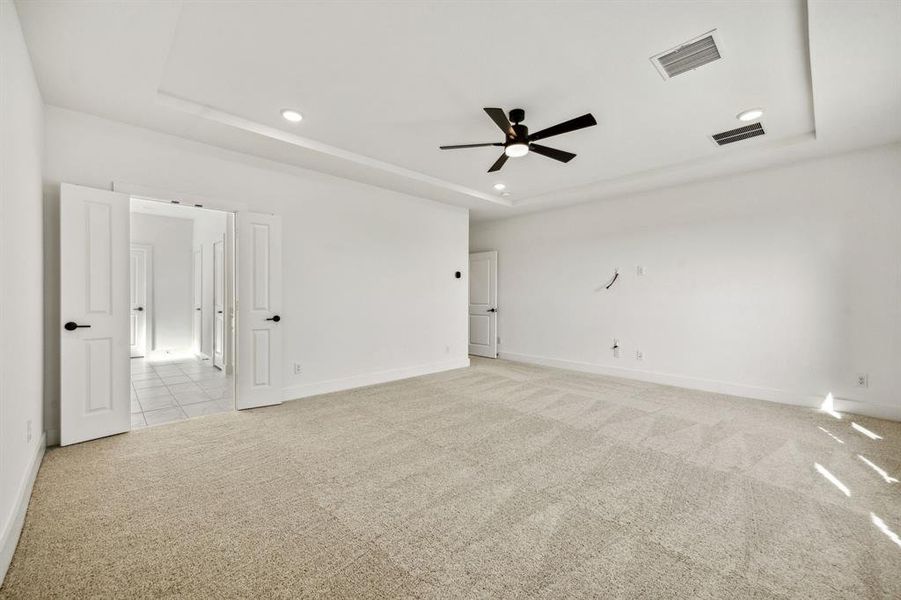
x=219, y=304
x=94, y=314
x=483, y=304
x=139, y=273
x=197, y=302
x=260, y=363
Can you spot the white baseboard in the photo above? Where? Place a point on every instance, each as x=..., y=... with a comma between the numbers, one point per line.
x=10, y=537
x=871, y=409
x=347, y=383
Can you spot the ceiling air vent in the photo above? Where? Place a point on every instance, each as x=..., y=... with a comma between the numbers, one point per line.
x=737, y=135
x=688, y=56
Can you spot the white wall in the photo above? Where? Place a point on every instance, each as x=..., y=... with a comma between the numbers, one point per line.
x=370, y=293
x=171, y=240
x=780, y=284
x=21, y=265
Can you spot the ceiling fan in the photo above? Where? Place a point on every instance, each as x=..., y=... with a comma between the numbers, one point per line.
x=518, y=142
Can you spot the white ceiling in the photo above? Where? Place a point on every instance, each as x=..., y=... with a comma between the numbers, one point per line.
x=383, y=84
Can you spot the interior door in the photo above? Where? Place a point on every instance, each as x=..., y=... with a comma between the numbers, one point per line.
x=197, y=303
x=260, y=363
x=219, y=304
x=94, y=314
x=138, y=296
x=483, y=304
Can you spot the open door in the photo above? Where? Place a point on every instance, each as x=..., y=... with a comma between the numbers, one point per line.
x=483, y=304
x=94, y=314
x=197, y=301
x=139, y=295
x=219, y=304
x=260, y=363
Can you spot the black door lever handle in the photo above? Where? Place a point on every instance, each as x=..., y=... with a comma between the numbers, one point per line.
x=276, y=318
x=72, y=326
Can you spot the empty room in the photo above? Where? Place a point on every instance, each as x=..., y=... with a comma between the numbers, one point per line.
x=450, y=299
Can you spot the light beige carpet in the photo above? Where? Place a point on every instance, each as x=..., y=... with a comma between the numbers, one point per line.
x=498, y=481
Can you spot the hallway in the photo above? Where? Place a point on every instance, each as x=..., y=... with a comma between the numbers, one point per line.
x=164, y=391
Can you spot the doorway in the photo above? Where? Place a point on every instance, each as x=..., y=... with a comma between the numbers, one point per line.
x=187, y=326
x=97, y=389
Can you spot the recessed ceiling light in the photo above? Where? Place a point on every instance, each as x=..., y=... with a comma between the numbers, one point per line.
x=516, y=150
x=499, y=186
x=752, y=114
x=292, y=115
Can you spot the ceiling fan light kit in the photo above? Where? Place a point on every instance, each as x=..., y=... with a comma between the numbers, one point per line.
x=518, y=142
x=516, y=150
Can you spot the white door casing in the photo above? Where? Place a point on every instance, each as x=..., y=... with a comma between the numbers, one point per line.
x=140, y=291
x=483, y=304
x=94, y=295
x=197, y=302
x=219, y=303
x=260, y=319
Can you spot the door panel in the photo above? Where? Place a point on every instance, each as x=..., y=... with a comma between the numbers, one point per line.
x=94, y=294
x=483, y=304
x=261, y=360
x=260, y=363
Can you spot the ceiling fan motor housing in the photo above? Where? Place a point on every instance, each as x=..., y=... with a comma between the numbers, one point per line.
x=520, y=135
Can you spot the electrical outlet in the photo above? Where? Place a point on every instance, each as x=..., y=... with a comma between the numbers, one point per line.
x=639, y=270
x=28, y=430
x=615, y=348
x=639, y=355
x=863, y=380
x=297, y=368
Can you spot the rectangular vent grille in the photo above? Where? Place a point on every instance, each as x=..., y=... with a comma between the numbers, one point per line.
x=689, y=56
x=736, y=135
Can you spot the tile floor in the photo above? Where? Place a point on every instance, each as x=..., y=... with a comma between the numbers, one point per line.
x=163, y=391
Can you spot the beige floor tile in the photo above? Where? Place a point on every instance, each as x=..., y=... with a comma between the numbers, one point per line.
x=209, y=407
x=191, y=397
x=165, y=415
x=144, y=384
x=157, y=403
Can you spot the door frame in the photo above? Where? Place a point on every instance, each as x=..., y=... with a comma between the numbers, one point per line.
x=232, y=255
x=147, y=250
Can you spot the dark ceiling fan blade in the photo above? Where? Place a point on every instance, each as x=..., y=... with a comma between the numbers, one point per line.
x=500, y=118
x=498, y=163
x=586, y=120
x=466, y=146
x=561, y=155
